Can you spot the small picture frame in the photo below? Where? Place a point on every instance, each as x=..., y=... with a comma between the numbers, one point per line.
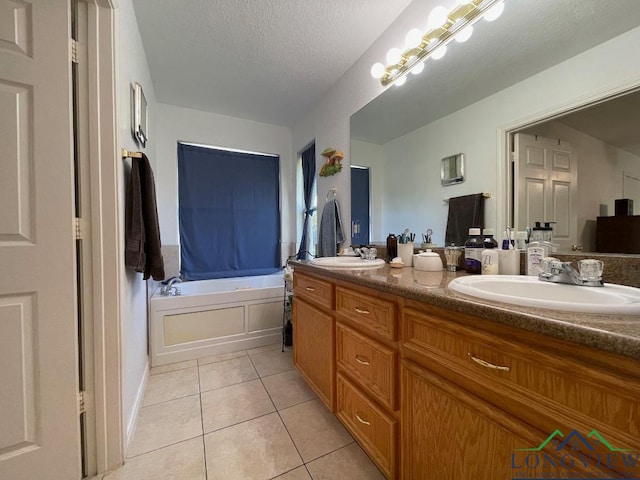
x=140, y=129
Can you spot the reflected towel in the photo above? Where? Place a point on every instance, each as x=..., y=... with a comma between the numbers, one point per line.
x=330, y=234
x=464, y=213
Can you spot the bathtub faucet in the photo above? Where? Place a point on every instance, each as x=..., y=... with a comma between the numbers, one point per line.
x=169, y=289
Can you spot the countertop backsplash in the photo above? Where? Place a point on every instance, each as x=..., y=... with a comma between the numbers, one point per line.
x=622, y=269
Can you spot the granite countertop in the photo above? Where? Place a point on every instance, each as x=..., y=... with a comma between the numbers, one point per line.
x=618, y=334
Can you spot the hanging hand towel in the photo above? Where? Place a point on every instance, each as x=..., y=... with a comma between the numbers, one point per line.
x=142, y=231
x=464, y=213
x=330, y=234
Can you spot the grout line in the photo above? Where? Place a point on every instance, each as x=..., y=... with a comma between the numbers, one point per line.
x=204, y=444
x=240, y=422
x=160, y=448
x=170, y=371
x=168, y=400
x=198, y=364
x=281, y=419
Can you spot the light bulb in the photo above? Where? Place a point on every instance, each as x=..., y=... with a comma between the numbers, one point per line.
x=464, y=35
x=494, y=12
x=418, y=68
x=413, y=38
x=437, y=17
x=394, y=56
x=401, y=81
x=439, y=53
x=377, y=70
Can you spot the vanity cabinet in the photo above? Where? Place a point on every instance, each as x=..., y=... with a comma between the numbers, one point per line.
x=431, y=393
x=314, y=335
x=367, y=361
x=493, y=390
x=451, y=434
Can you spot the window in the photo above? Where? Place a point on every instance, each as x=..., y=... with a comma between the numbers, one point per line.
x=229, y=214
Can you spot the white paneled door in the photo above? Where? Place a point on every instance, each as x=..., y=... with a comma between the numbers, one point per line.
x=39, y=432
x=546, y=175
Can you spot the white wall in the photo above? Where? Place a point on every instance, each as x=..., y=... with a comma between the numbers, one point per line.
x=473, y=130
x=132, y=67
x=328, y=121
x=175, y=124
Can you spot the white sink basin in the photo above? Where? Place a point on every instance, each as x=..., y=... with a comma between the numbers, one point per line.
x=529, y=291
x=347, y=262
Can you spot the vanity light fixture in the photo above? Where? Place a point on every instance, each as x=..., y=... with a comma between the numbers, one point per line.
x=442, y=27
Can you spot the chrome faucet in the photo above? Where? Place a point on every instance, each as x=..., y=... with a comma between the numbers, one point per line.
x=366, y=253
x=169, y=289
x=556, y=271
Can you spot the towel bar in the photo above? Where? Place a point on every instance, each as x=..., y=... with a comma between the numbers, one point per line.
x=127, y=154
x=485, y=195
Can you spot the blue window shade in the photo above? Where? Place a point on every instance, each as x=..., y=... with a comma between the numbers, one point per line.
x=229, y=213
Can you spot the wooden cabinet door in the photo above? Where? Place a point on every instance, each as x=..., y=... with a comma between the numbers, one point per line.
x=314, y=349
x=450, y=434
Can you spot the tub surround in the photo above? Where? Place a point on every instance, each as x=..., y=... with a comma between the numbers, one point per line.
x=619, y=334
x=210, y=317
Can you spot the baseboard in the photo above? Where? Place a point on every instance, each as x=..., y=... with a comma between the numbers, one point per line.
x=131, y=424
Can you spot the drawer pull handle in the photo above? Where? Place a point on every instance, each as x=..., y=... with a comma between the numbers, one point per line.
x=361, y=361
x=486, y=364
x=363, y=312
x=364, y=422
x=310, y=289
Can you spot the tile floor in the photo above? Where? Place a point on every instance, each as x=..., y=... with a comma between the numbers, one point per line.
x=239, y=416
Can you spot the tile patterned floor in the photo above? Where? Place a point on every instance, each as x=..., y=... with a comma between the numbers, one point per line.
x=239, y=416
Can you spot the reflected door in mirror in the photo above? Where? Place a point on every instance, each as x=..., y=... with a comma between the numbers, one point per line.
x=546, y=188
x=360, y=191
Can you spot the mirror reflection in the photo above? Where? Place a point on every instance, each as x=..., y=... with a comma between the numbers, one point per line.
x=460, y=104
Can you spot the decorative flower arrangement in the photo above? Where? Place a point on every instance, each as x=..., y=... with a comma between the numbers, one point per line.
x=332, y=165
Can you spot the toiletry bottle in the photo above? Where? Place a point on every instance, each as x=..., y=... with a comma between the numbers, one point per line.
x=472, y=251
x=536, y=251
x=487, y=238
x=392, y=247
x=490, y=259
x=542, y=233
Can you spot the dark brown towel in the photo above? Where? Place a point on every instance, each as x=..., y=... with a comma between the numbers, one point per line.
x=464, y=213
x=142, y=231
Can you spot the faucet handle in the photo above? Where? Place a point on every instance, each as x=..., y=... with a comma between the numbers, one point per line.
x=550, y=265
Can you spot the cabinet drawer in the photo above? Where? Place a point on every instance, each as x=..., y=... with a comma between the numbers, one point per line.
x=369, y=363
x=374, y=429
x=313, y=289
x=373, y=314
x=513, y=374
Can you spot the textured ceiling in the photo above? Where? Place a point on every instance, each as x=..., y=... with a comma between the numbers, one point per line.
x=263, y=60
x=530, y=36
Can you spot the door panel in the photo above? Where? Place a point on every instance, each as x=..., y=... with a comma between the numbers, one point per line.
x=546, y=188
x=39, y=435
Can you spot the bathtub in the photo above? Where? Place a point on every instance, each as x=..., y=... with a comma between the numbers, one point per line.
x=215, y=316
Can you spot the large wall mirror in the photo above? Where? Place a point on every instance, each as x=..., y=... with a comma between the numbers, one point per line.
x=529, y=76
